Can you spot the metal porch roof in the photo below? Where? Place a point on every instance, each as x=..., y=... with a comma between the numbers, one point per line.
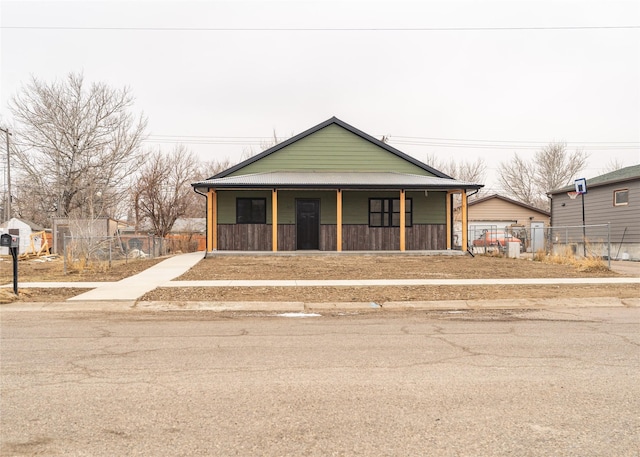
x=334, y=180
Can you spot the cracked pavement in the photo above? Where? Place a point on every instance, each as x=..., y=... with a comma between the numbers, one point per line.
x=463, y=383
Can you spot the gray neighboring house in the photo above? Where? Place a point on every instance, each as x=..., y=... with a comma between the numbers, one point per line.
x=612, y=198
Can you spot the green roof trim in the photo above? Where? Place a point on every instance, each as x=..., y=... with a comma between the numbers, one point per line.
x=623, y=174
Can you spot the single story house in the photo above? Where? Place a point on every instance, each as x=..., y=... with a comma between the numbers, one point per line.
x=611, y=213
x=331, y=188
x=499, y=214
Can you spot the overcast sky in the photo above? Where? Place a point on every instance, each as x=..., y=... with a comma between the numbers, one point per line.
x=459, y=79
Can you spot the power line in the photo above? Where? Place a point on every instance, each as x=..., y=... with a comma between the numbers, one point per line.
x=510, y=141
x=512, y=146
x=426, y=138
x=407, y=140
x=322, y=29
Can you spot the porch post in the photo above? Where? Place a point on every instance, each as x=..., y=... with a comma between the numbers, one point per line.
x=447, y=202
x=274, y=219
x=339, y=221
x=463, y=194
x=212, y=223
x=402, y=220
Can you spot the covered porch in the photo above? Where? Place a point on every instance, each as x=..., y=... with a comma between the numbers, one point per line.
x=344, y=219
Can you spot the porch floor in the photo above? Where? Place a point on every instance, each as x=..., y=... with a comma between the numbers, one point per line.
x=445, y=252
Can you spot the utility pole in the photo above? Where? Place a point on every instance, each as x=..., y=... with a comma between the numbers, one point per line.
x=7, y=210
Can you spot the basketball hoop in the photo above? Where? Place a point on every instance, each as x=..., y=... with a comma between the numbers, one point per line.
x=573, y=195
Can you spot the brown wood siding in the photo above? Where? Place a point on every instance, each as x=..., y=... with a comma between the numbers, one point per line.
x=286, y=237
x=244, y=237
x=365, y=238
x=328, y=237
x=418, y=237
x=426, y=237
x=257, y=237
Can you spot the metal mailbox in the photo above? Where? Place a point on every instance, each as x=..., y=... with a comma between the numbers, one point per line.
x=9, y=241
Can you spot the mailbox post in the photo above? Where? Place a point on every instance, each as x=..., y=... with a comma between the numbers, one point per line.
x=12, y=242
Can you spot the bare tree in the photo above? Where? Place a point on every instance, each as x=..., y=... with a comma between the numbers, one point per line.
x=77, y=145
x=552, y=167
x=196, y=205
x=163, y=190
x=213, y=167
x=517, y=178
x=463, y=170
x=612, y=165
x=249, y=152
x=555, y=167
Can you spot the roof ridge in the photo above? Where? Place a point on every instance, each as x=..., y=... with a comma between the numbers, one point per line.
x=322, y=125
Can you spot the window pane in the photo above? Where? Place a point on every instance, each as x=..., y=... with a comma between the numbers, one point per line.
x=621, y=197
x=251, y=211
x=396, y=205
x=407, y=205
x=407, y=219
x=243, y=210
x=395, y=221
x=258, y=211
x=375, y=205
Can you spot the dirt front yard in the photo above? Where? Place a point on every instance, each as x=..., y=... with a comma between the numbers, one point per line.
x=336, y=267
x=385, y=267
x=53, y=270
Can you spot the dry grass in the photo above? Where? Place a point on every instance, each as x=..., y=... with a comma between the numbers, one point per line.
x=227, y=267
x=589, y=264
x=388, y=293
x=38, y=270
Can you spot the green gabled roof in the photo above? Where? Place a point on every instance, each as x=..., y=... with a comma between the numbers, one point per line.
x=332, y=146
x=621, y=175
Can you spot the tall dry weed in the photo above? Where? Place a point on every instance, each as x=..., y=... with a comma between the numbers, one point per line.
x=592, y=263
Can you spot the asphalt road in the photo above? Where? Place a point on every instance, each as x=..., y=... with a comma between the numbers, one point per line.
x=539, y=383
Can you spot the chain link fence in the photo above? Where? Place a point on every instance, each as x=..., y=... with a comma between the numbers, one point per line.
x=576, y=240
x=104, y=251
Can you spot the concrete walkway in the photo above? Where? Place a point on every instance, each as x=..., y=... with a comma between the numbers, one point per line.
x=136, y=286
x=395, y=282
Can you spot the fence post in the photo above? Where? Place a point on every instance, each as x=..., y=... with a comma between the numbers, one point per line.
x=110, y=244
x=533, y=242
x=64, y=254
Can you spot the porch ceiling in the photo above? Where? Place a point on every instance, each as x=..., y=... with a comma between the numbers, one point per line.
x=335, y=180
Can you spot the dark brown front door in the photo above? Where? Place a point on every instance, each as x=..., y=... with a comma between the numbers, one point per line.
x=307, y=224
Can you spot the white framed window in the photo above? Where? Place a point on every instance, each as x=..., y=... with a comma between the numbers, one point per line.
x=621, y=197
